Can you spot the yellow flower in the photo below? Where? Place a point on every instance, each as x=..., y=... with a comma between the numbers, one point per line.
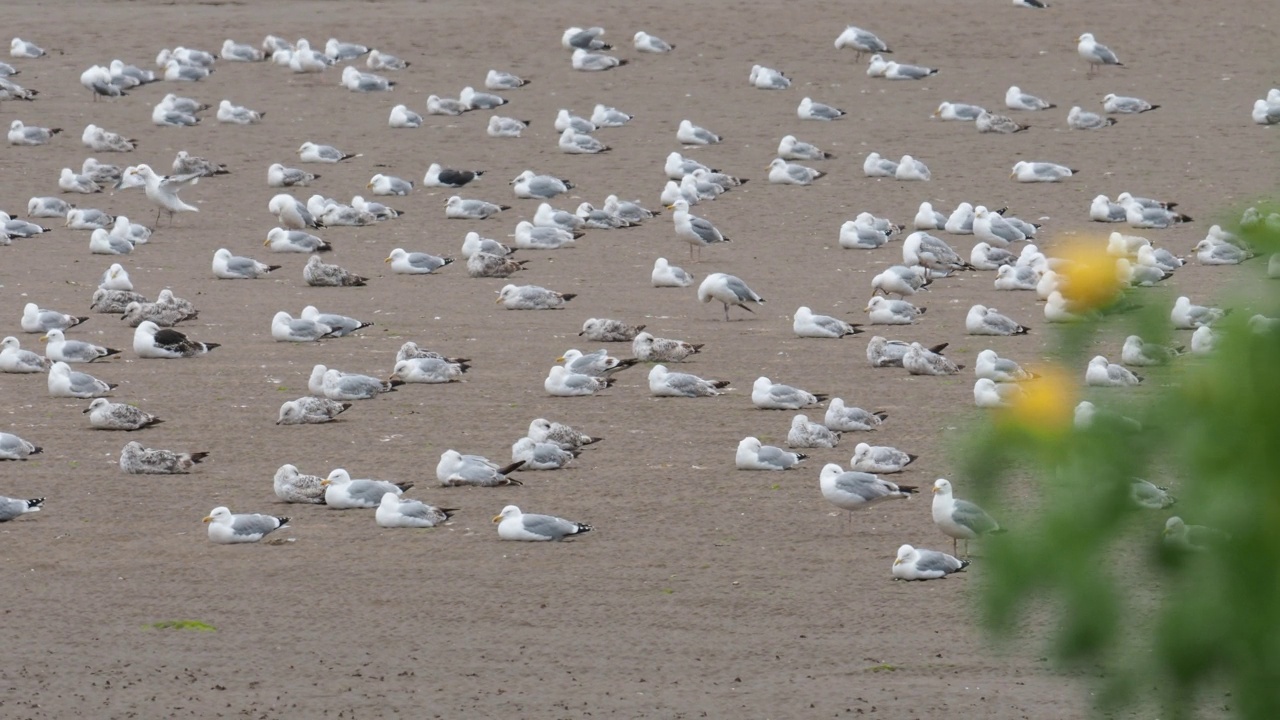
x=1089, y=274
x=1046, y=405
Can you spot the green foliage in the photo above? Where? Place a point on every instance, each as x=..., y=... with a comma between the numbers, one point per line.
x=1160, y=623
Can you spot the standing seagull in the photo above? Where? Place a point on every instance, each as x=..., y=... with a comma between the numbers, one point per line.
x=692, y=229
x=1095, y=53
x=163, y=190
x=851, y=490
x=960, y=519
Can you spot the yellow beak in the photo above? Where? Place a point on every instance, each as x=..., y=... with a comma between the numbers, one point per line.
x=672, y=206
x=369, y=186
x=44, y=339
x=560, y=359
x=387, y=260
x=324, y=483
x=866, y=309
x=897, y=561
x=497, y=301
x=1011, y=174
x=497, y=518
x=266, y=242
x=208, y=518
x=934, y=491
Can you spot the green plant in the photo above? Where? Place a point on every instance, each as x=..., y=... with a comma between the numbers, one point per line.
x=1161, y=622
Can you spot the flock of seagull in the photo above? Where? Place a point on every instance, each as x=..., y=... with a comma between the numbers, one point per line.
x=926, y=257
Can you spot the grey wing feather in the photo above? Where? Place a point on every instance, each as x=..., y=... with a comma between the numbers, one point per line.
x=548, y=526
x=772, y=455
x=932, y=560
x=740, y=289
x=864, y=485
x=254, y=524
x=243, y=265
x=973, y=517
x=370, y=491
x=704, y=230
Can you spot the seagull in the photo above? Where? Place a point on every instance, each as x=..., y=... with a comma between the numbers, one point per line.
x=151, y=341
x=1102, y=373
x=1113, y=103
x=226, y=528
x=862, y=41
x=1095, y=53
x=694, y=230
x=162, y=190
x=644, y=42
x=914, y=564
x=810, y=110
x=752, y=455
x=960, y=519
x=854, y=490
x=1016, y=99
x=397, y=512
x=1080, y=119
x=515, y=525
x=438, y=176
x=729, y=290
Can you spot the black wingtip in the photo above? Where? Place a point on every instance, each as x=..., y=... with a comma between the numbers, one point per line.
x=881, y=415
x=198, y=456
x=908, y=489
x=719, y=384
x=35, y=502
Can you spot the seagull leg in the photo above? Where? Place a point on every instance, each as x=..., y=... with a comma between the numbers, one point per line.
x=726, y=312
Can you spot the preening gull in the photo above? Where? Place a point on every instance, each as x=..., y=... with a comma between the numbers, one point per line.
x=515, y=525
x=728, y=290
x=226, y=528
x=913, y=564
x=862, y=41
x=752, y=455
x=138, y=460
x=594, y=62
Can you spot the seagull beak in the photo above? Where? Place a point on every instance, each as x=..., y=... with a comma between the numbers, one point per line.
x=934, y=491
x=387, y=260
x=208, y=518
x=266, y=242
x=560, y=359
x=44, y=339
x=672, y=206
x=497, y=301
x=86, y=410
x=497, y=518
x=324, y=483
x=866, y=309
x=1011, y=174
x=369, y=186
x=898, y=561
